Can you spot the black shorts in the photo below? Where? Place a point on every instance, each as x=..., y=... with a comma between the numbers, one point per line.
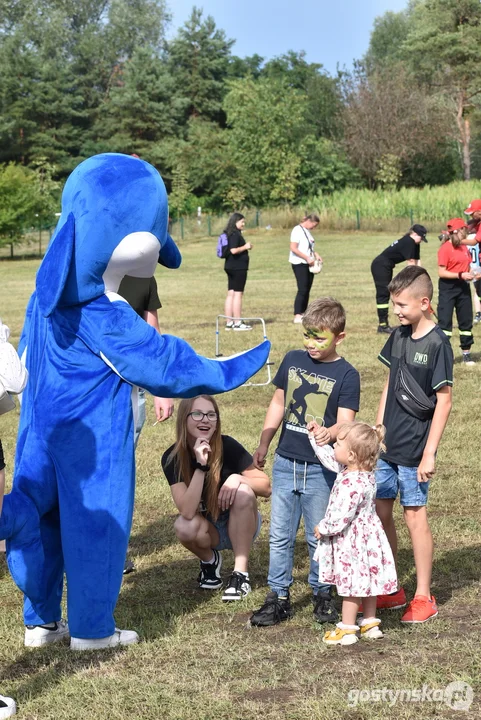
x=236, y=280
x=2, y=460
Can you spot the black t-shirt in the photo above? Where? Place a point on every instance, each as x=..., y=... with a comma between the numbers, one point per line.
x=140, y=293
x=399, y=251
x=240, y=261
x=312, y=391
x=430, y=361
x=235, y=459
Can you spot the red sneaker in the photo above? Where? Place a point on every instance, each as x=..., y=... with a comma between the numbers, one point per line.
x=420, y=609
x=395, y=601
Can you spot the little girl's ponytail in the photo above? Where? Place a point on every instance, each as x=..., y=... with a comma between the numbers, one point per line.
x=380, y=431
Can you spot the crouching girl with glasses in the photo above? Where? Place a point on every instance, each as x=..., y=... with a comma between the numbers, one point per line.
x=215, y=486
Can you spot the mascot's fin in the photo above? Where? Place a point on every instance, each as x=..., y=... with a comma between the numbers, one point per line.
x=169, y=255
x=174, y=369
x=53, y=272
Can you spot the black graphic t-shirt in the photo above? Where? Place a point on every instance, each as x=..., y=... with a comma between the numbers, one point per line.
x=430, y=361
x=312, y=391
x=399, y=251
x=235, y=459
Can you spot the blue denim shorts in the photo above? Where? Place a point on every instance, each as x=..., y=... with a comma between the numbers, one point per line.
x=392, y=479
x=221, y=525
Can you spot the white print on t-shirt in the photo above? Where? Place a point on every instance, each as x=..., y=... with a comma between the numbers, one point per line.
x=420, y=358
x=306, y=398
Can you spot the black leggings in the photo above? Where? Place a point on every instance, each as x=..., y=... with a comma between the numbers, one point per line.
x=456, y=294
x=304, y=280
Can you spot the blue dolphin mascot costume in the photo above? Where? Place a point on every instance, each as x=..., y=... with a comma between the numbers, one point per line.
x=85, y=350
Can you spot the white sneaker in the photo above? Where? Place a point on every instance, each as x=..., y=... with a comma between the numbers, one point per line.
x=229, y=325
x=119, y=637
x=241, y=326
x=297, y=320
x=7, y=707
x=38, y=635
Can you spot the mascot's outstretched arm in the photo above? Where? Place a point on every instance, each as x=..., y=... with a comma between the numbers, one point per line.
x=162, y=364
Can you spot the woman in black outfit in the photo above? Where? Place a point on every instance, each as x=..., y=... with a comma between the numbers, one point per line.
x=236, y=266
x=405, y=249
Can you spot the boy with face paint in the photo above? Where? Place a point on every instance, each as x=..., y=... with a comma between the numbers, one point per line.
x=313, y=385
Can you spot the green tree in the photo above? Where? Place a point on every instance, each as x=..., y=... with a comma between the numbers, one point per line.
x=18, y=196
x=387, y=40
x=266, y=120
x=323, y=105
x=198, y=60
x=140, y=109
x=443, y=49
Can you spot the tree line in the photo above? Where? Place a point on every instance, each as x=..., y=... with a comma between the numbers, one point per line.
x=86, y=76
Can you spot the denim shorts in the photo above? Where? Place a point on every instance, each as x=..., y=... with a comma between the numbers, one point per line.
x=392, y=479
x=221, y=525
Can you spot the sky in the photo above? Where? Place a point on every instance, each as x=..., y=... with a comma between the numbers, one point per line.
x=331, y=32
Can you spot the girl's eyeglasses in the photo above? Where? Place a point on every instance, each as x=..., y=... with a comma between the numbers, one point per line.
x=198, y=415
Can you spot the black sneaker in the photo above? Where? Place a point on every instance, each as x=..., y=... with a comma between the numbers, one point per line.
x=274, y=611
x=209, y=576
x=386, y=329
x=324, y=610
x=237, y=587
x=467, y=359
x=477, y=318
x=129, y=567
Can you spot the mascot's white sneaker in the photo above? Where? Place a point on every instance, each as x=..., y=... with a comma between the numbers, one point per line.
x=7, y=707
x=120, y=637
x=38, y=635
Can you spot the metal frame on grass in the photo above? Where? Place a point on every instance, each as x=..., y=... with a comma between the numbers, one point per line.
x=219, y=354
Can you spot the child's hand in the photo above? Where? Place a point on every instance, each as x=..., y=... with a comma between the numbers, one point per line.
x=317, y=534
x=322, y=435
x=426, y=468
x=259, y=457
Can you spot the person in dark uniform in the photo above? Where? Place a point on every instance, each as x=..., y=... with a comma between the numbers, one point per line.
x=406, y=249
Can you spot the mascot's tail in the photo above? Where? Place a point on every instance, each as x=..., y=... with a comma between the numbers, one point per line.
x=20, y=527
x=183, y=373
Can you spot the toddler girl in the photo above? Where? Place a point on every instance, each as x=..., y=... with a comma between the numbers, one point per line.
x=353, y=551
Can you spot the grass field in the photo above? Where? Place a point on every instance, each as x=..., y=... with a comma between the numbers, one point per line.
x=198, y=660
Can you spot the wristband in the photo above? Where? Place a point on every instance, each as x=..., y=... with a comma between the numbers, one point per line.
x=460, y=275
x=204, y=468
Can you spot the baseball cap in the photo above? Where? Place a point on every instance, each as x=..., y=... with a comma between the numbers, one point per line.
x=420, y=230
x=456, y=224
x=474, y=206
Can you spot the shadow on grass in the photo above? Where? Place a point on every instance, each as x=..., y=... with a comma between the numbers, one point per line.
x=150, y=602
x=156, y=536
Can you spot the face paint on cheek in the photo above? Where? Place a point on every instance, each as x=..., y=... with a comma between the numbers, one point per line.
x=313, y=341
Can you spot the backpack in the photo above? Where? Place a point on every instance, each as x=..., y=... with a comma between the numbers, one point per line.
x=222, y=245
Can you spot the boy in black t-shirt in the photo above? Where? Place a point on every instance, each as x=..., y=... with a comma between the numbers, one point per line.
x=313, y=384
x=409, y=461
x=406, y=249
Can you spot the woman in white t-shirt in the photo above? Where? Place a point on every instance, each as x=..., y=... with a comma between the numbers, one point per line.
x=301, y=256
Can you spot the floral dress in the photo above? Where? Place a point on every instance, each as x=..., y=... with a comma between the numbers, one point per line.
x=353, y=553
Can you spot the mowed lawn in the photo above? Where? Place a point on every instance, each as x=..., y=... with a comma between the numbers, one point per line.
x=198, y=659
